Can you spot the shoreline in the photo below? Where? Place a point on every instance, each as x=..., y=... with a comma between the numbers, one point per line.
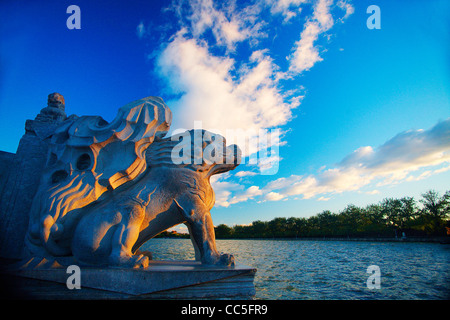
x=441, y=240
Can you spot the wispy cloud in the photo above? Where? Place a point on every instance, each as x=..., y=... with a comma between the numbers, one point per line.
x=226, y=91
x=212, y=80
x=409, y=156
x=228, y=193
x=274, y=196
x=204, y=16
x=249, y=193
x=227, y=24
x=306, y=53
x=242, y=174
x=224, y=189
x=288, y=8
x=393, y=162
x=140, y=30
x=212, y=95
x=347, y=7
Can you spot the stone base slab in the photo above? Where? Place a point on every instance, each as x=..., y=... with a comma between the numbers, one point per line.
x=161, y=280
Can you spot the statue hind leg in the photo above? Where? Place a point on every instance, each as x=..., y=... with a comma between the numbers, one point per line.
x=125, y=236
x=105, y=236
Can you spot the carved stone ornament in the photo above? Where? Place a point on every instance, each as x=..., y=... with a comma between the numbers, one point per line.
x=107, y=188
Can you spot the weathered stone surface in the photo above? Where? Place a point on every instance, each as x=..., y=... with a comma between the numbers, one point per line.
x=6, y=162
x=20, y=182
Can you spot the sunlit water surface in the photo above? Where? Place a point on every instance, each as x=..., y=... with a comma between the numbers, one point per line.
x=296, y=269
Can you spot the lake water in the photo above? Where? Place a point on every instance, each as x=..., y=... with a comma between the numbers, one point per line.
x=300, y=269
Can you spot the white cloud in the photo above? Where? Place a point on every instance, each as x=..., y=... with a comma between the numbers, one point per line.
x=229, y=92
x=347, y=7
x=227, y=24
x=422, y=176
x=409, y=156
x=274, y=196
x=444, y=169
x=306, y=53
x=372, y=192
x=140, y=30
x=181, y=228
x=211, y=95
x=393, y=162
x=223, y=189
x=249, y=193
x=227, y=31
x=288, y=8
x=242, y=174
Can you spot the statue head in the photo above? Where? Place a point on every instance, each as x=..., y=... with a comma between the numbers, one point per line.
x=199, y=150
x=56, y=100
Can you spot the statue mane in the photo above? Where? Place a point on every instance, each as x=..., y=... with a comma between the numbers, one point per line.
x=87, y=157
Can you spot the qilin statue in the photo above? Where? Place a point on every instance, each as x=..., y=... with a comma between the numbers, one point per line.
x=107, y=188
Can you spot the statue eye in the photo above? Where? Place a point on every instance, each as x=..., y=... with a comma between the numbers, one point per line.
x=83, y=162
x=59, y=176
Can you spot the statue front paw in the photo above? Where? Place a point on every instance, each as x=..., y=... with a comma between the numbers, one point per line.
x=226, y=259
x=140, y=261
x=129, y=261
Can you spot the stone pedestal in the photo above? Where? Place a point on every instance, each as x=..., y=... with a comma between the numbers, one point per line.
x=161, y=280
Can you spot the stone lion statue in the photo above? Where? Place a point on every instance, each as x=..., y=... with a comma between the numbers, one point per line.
x=109, y=187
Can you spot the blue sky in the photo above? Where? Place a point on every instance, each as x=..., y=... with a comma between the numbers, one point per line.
x=362, y=114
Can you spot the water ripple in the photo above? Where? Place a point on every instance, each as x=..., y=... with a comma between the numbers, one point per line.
x=290, y=269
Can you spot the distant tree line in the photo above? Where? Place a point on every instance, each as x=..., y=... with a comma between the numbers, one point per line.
x=389, y=218
x=173, y=234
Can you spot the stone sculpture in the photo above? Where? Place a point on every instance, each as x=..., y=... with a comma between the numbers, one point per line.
x=20, y=174
x=107, y=188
